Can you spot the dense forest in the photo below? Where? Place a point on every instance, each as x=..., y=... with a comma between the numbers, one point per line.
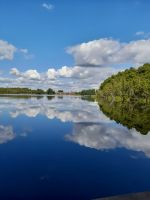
x=131, y=84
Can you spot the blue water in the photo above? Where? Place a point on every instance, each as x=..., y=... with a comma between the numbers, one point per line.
x=66, y=148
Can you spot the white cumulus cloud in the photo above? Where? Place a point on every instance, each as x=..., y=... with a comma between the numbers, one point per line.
x=7, y=50
x=104, y=52
x=29, y=74
x=32, y=74
x=110, y=54
x=15, y=71
x=51, y=73
x=67, y=78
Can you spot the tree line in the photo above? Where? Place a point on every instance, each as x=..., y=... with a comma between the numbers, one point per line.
x=49, y=91
x=19, y=90
x=87, y=92
x=131, y=84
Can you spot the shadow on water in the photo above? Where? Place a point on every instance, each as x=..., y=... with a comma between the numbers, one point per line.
x=129, y=114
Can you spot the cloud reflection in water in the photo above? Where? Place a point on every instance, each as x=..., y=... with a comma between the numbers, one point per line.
x=91, y=128
x=6, y=134
x=105, y=136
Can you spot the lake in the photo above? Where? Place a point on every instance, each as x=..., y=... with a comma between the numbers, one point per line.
x=66, y=148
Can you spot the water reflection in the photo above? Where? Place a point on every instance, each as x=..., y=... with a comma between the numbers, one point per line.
x=91, y=127
x=66, y=109
x=132, y=115
x=6, y=134
x=71, y=109
x=105, y=136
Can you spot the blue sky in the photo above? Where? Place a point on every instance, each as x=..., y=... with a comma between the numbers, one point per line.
x=42, y=31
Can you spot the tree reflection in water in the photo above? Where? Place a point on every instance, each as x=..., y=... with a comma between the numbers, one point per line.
x=130, y=114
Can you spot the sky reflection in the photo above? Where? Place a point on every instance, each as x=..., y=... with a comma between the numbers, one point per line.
x=90, y=127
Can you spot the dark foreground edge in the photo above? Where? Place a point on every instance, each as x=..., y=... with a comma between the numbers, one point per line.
x=136, y=196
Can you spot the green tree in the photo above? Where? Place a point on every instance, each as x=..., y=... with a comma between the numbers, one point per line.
x=127, y=85
x=60, y=91
x=50, y=91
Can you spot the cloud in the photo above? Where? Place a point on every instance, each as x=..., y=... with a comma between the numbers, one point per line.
x=25, y=51
x=110, y=52
x=145, y=35
x=140, y=33
x=106, y=55
x=15, y=71
x=68, y=72
x=76, y=72
x=48, y=6
x=26, y=54
x=29, y=74
x=32, y=74
x=65, y=77
x=5, y=80
x=7, y=50
x=51, y=73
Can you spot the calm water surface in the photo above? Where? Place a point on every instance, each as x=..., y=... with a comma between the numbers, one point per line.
x=66, y=148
